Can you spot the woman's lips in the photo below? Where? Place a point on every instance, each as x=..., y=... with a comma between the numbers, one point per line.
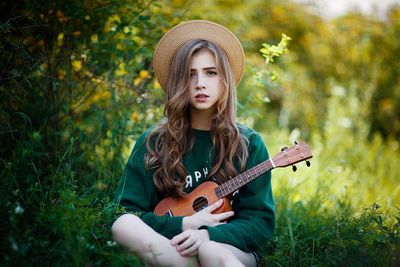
x=201, y=97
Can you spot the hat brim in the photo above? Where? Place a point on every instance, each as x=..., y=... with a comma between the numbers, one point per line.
x=197, y=29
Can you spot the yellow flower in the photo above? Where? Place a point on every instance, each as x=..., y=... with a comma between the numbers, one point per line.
x=156, y=84
x=96, y=80
x=106, y=95
x=60, y=39
x=94, y=38
x=134, y=116
x=143, y=74
x=111, y=23
x=120, y=46
x=137, y=40
x=96, y=97
x=121, y=71
x=134, y=30
x=76, y=65
x=115, y=18
x=101, y=96
x=137, y=80
x=119, y=36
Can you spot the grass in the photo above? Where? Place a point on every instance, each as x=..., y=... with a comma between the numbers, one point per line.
x=311, y=233
x=345, y=209
x=342, y=211
x=63, y=224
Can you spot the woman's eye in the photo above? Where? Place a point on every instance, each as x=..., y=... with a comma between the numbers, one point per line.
x=192, y=74
x=211, y=73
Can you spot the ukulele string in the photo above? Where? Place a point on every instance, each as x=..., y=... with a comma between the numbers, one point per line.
x=200, y=204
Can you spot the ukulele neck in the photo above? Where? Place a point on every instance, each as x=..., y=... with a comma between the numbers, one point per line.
x=235, y=183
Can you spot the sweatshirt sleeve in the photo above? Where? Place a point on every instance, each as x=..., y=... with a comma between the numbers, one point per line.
x=254, y=220
x=136, y=192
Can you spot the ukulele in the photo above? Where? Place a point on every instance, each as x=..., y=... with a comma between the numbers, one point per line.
x=210, y=192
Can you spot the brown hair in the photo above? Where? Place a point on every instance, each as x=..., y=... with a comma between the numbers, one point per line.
x=172, y=137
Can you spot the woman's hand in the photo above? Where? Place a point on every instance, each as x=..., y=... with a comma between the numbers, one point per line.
x=188, y=242
x=205, y=217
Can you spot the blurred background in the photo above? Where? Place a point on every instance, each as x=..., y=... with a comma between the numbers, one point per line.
x=77, y=89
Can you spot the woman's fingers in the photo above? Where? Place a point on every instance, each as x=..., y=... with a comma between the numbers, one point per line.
x=186, y=244
x=191, y=250
x=223, y=216
x=180, y=238
x=206, y=217
x=214, y=206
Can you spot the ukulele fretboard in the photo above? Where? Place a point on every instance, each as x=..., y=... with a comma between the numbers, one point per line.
x=235, y=183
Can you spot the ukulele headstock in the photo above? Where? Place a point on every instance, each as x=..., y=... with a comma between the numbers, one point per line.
x=292, y=155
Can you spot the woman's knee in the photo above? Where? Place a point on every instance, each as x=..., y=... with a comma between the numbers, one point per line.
x=125, y=228
x=212, y=253
x=209, y=249
x=123, y=222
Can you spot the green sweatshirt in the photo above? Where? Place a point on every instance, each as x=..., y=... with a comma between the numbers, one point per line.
x=254, y=220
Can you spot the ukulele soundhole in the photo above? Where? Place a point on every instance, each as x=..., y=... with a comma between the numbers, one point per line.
x=200, y=203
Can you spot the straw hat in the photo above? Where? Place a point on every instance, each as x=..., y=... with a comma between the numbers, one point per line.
x=197, y=29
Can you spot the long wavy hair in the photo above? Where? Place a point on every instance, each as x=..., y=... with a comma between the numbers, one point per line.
x=171, y=138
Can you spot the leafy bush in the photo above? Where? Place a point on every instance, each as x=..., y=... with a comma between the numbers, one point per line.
x=76, y=89
x=322, y=219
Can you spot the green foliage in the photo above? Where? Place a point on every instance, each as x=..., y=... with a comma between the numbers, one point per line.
x=354, y=50
x=77, y=88
x=312, y=234
x=73, y=93
x=270, y=51
x=259, y=78
x=322, y=219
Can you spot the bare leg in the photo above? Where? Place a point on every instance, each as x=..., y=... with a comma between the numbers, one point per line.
x=139, y=238
x=218, y=254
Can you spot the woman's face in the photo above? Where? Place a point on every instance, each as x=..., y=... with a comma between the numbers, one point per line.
x=205, y=83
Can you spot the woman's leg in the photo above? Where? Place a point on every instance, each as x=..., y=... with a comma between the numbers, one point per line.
x=139, y=238
x=218, y=254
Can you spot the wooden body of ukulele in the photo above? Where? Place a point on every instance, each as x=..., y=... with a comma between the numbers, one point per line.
x=209, y=192
x=201, y=197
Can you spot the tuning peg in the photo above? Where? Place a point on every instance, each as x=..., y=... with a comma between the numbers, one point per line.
x=308, y=163
x=294, y=168
x=284, y=148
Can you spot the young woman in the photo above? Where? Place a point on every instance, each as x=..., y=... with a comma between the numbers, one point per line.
x=198, y=64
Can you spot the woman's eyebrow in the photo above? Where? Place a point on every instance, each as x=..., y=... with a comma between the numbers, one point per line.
x=206, y=68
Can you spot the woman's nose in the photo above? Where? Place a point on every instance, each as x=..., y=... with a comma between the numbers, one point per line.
x=200, y=82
